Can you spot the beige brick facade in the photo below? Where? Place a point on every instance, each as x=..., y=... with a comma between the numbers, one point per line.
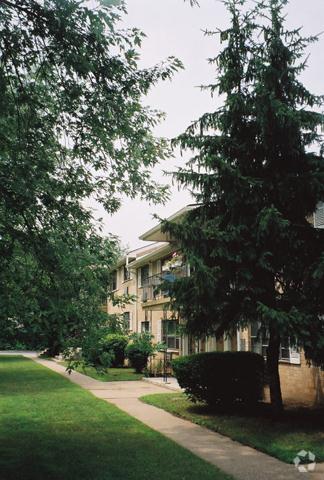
x=301, y=383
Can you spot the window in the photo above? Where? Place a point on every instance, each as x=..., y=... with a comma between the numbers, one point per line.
x=285, y=350
x=170, y=334
x=144, y=275
x=126, y=320
x=145, y=327
x=289, y=352
x=242, y=344
x=104, y=303
x=126, y=274
x=319, y=216
x=260, y=341
x=113, y=282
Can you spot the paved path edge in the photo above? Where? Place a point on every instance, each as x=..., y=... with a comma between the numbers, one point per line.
x=233, y=458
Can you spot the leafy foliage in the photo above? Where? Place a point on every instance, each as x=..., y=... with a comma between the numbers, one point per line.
x=116, y=344
x=50, y=303
x=257, y=176
x=92, y=351
x=139, y=350
x=116, y=324
x=72, y=129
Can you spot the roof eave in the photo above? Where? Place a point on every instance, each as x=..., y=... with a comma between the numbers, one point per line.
x=155, y=234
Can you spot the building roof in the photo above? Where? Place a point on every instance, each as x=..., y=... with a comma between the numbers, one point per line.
x=155, y=234
x=137, y=253
x=161, y=250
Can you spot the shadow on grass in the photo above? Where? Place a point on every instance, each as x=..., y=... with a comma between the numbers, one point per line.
x=110, y=447
x=297, y=429
x=52, y=429
x=76, y=450
x=305, y=417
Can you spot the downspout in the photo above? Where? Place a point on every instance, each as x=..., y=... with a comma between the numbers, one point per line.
x=238, y=340
x=136, y=301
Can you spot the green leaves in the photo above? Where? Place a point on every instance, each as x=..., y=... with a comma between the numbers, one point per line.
x=72, y=128
x=224, y=35
x=257, y=176
x=111, y=3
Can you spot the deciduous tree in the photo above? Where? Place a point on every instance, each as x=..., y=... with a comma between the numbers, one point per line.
x=73, y=127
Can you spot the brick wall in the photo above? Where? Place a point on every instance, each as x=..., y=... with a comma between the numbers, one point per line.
x=301, y=384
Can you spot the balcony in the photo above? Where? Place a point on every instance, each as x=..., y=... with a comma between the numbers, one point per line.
x=151, y=286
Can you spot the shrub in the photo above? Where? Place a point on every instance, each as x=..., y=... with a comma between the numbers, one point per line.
x=139, y=350
x=115, y=344
x=221, y=377
x=94, y=352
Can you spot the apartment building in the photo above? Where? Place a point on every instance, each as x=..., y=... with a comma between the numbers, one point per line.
x=124, y=283
x=143, y=272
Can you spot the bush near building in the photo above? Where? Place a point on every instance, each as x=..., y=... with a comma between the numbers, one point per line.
x=139, y=350
x=221, y=377
x=116, y=344
x=100, y=350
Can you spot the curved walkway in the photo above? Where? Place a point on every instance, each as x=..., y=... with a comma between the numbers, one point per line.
x=243, y=462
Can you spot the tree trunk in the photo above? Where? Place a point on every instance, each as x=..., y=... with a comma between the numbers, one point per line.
x=273, y=371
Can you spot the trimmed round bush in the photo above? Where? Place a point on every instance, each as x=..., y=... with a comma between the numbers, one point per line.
x=137, y=358
x=115, y=344
x=221, y=377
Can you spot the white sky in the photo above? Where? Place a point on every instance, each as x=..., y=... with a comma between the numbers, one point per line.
x=174, y=28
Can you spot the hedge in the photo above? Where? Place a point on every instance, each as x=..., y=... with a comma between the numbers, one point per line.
x=221, y=377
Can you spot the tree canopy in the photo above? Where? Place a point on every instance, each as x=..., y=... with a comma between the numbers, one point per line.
x=73, y=127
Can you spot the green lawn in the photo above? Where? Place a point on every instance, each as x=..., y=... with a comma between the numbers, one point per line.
x=297, y=430
x=112, y=375
x=51, y=429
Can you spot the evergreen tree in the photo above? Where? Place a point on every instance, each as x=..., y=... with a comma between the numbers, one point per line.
x=257, y=176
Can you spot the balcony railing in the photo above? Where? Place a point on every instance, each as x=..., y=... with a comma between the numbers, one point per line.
x=152, y=288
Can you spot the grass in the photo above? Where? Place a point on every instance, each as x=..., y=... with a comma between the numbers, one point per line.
x=52, y=429
x=282, y=438
x=112, y=374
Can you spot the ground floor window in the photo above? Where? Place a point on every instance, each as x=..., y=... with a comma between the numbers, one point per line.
x=191, y=345
x=113, y=281
x=126, y=320
x=289, y=352
x=145, y=327
x=259, y=339
x=285, y=350
x=170, y=334
x=260, y=342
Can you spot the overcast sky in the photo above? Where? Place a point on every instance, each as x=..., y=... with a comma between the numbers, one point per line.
x=174, y=28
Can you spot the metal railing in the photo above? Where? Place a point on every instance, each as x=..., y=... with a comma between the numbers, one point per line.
x=151, y=286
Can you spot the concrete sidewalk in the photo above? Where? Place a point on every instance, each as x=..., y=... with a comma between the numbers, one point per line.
x=240, y=461
x=171, y=383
